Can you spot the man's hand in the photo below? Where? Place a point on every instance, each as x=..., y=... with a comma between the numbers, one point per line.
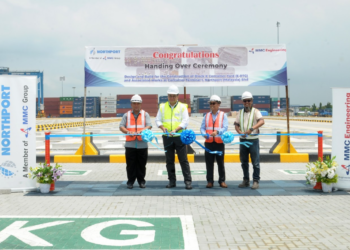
x=215, y=133
x=172, y=132
x=248, y=132
x=162, y=128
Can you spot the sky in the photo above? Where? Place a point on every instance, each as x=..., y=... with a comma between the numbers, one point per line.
x=51, y=36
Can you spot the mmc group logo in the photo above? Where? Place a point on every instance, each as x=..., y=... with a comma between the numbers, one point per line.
x=93, y=51
x=26, y=131
x=252, y=50
x=347, y=168
x=7, y=169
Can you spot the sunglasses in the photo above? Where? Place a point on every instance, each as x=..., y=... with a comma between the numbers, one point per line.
x=212, y=103
x=247, y=100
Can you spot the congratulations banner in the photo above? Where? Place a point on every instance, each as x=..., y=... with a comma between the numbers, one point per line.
x=341, y=135
x=17, y=115
x=259, y=65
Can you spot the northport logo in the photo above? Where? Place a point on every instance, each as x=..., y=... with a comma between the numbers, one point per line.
x=7, y=169
x=26, y=131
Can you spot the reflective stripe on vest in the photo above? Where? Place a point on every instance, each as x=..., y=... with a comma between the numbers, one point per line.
x=172, y=118
x=210, y=126
x=133, y=126
x=249, y=125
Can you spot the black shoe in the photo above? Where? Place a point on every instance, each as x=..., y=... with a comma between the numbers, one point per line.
x=188, y=186
x=142, y=185
x=170, y=185
x=129, y=186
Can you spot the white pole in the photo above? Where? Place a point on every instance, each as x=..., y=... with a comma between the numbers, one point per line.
x=84, y=120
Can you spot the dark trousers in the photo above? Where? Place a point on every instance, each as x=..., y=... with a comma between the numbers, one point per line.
x=170, y=145
x=254, y=152
x=136, y=160
x=210, y=158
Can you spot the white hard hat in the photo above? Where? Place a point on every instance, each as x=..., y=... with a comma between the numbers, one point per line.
x=247, y=95
x=215, y=98
x=136, y=98
x=173, y=89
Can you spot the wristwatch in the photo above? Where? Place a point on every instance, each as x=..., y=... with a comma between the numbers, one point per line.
x=251, y=129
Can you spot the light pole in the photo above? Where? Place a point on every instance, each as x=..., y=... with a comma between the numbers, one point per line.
x=73, y=91
x=278, y=42
x=89, y=93
x=62, y=79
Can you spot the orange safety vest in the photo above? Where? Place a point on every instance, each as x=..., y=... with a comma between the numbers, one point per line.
x=133, y=125
x=211, y=126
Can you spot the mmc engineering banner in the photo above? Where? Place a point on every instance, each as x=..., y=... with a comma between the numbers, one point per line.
x=17, y=115
x=196, y=66
x=341, y=135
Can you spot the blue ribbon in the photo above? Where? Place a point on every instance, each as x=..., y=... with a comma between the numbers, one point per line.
x=228, y=138
x=188, y=137
x=148, y=136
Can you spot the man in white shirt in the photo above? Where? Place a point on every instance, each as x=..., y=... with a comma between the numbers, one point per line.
x=172, y=117
x=248, y=122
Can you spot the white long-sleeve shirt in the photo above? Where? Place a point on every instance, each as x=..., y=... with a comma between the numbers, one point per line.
x=185, y=117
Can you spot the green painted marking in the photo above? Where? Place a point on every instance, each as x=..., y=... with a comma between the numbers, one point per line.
x=75, y=172
x=294, y=171
x=193, y=172
x=94, y=233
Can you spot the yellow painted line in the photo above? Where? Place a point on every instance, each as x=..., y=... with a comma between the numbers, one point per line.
x=233, y=158
x=68, y=159
x=190, y=158
x=294, y=157
x=117, y=159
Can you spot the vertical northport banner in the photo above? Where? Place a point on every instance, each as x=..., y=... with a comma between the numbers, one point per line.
x=192, y=66
x=17, y=115
x=341, y=135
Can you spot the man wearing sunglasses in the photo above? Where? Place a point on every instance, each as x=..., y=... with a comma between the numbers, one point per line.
x=214, y=124
x=247, y=123
x=172, y=117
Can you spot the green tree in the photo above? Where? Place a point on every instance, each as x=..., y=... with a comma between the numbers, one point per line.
x=329, y=105
x=320, y=107
x=314, y=107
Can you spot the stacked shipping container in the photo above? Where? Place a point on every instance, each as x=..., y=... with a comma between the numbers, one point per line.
x=66, y=106
x=274, y=103
x=78, y=106
x=261, y=102
x=149, y=104
x=108, y=106
x=52, y=106
x=93, y=107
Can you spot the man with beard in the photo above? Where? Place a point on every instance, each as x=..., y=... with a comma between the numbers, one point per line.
x=248, y=122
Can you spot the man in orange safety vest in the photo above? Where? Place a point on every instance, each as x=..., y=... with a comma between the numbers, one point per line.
x=136, y=150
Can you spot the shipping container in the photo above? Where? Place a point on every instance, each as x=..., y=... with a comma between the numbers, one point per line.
x=66, y=103
x=123, y=101
x=258, y=106
x=109, y=115
x=77, y=112
x=261, y=97
x=119, y=115
x=78, y=107
x=263, y=101
x=66, y=106
x=108, y=107
x=109, y=103
x=123, y=106
x=66, y=111
x=108, y=98
x=69, y=99
x=78, y=103
x=67, y=115
x=103, y=111
x=236, y=97
x=78, y=99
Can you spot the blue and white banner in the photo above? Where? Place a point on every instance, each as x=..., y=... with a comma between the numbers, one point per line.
x=341, y=135
x=18, y=146
x=258, y=65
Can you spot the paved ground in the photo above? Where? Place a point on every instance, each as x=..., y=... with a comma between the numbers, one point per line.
x=317, y=221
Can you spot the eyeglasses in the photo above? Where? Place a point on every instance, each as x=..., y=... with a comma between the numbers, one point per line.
x=247, y=100
x=212, y=103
